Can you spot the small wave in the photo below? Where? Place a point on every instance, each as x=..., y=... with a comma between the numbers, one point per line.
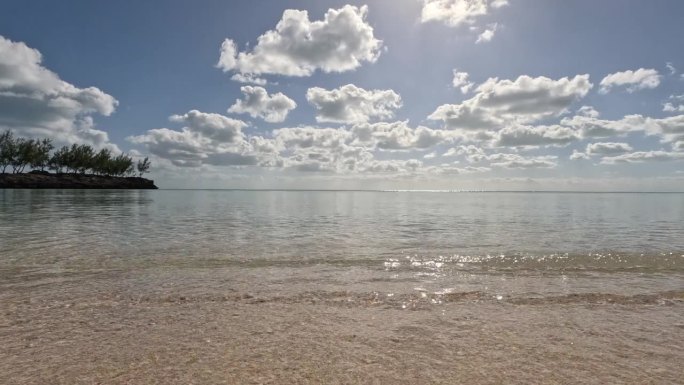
x=419, y=300
x=560, y=262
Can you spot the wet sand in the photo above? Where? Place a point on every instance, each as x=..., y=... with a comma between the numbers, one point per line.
x=102, y=329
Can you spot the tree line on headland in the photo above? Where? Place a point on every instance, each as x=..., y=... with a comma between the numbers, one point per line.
x=18, y=154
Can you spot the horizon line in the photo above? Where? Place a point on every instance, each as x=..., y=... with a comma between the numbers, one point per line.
x=423, y=191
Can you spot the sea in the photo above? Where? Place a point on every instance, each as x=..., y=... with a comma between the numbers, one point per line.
x=243, y=286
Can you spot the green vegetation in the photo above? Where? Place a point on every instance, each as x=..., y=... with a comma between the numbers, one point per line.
x=20, y=153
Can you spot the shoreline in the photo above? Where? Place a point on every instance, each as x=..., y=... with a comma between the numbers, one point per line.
x=45, y=180
x=115, y=327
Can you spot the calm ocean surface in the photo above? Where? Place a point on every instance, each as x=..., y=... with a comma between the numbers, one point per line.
x=323, y=286
x=427, y=238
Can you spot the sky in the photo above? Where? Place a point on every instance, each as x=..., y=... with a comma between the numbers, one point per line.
x=383, y=94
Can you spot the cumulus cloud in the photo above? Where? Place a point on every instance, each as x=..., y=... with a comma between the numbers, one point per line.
x=297, y=46
x=353, y=150
x=670, y=67
x=455, y=13
x=576, y=155
x=670, y=129
x=215, y=127
x=392, y=166
x=450, y=169
x=602, y=149
x=351, y=104
x=249, y=79
x=399, y=136
x=515, y=161
x=488, y=34
x=524, y=100
x=311, y=137
x=644, y=156
x=206, y=138
x=475, y=154
x=675, y=105
x=678, y=146
x=670, y=107
x=461, y=81
x=633, y=80
x=608, y=148
x=34, y=101
x=258, y=103
x=472, y=153
x=588, y=111
x=590, y=127
x=534, y=136
x=214, y=139
x=313, y=149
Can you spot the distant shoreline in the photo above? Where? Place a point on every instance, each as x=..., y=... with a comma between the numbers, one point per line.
x=45, y=180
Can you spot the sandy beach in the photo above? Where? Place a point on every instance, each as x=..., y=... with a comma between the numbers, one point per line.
x=99, y=330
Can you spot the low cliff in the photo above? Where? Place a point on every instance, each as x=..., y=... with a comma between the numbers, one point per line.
x=44, y=180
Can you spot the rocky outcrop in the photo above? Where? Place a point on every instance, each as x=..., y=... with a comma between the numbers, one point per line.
x=44, y=180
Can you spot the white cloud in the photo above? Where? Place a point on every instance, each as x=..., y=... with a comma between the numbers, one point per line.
x=644, y=156
x=392, y=166
x=315, y=149
x=590, y=127
x=216, y=127
x=670, y=129
x=670, y=67
x=206, y=139
x=502, y=102
x=311, y=137
x=35, y=102
x=248, y=79
x=340, y=42
x=475, y=154
x=472, y=153
x=608, y=148
x=258, y=103
x=588, y=111
x=461, y=81
x=344, y=150
x=515, y=161
x=576, y=155
x=633, y=80
x=351, y=104
x=488, y=34
x=669, y=107
x=455, y=13
x=605, y=149
x=524, y=136
x=676, y=104
x=450, y=169
x=399, y=136
x=678, y=146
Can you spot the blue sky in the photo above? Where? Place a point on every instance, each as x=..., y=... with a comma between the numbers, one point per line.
x=373, y=102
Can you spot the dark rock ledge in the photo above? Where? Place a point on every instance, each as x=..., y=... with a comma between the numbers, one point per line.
x=44, y=180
